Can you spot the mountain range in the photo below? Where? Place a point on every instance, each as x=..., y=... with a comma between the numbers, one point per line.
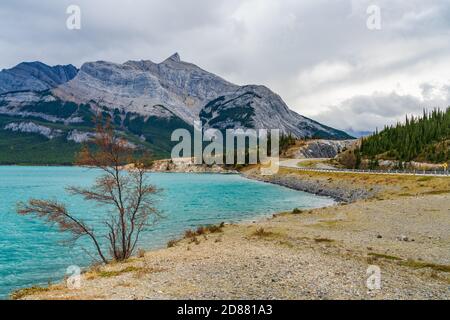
x=46, y=112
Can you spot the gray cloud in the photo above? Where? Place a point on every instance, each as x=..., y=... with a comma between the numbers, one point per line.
x=315, y=53
x=365, y=113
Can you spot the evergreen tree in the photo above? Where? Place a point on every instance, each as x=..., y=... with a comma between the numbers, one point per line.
x=423, y=138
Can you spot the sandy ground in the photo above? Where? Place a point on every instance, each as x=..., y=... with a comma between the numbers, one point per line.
x=318, y=254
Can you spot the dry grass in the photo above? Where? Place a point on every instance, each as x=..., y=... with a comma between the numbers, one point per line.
x=261, y=233
x=287, y=244
x=138, y=271
x=420, y=265
x=383, y=256
x=387, y=186
x=435, y=192
x=215, y=228
x=115, y=273
x=142, y=272
x=308, y=163
x=204, y=230
x=194, y=240
x=189, y=234
x=19, y=294
x=201, y=231
x=425, y=179
x=172, y=243
x=321, y=240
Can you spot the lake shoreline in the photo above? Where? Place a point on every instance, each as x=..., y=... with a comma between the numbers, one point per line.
x=313, y=254
x=232, y=198
x=341, y=194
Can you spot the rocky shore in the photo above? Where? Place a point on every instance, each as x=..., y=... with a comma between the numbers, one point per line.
x=398, y=224
x=339, y=193
x=342, y=188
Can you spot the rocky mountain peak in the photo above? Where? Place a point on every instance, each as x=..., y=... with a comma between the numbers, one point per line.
x=175, y=58
x=172, y=91
x=35, y=76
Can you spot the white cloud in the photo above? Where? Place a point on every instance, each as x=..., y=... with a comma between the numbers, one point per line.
x=315, y=53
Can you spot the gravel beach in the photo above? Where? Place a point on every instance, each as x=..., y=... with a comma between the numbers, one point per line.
x=400, y=225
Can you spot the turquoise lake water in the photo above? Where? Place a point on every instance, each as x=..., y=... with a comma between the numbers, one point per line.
x=31, y=252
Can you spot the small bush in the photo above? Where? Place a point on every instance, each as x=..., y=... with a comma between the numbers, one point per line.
x=189, y=234
x=215, y=228
x=262, y=233
x=297, y=211
x=201, y=231
x=171, y=243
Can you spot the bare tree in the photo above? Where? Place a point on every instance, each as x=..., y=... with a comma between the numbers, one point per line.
x=122, y=186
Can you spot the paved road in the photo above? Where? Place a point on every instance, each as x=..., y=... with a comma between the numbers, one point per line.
x=292, y=163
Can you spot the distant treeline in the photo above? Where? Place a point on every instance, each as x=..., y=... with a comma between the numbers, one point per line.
x=425, y=138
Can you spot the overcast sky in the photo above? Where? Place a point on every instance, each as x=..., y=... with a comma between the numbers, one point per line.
x=320, y=56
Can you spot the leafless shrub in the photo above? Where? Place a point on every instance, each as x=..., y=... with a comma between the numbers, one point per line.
x=124, y=188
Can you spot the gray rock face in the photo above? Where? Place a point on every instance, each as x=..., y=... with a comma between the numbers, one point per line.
x=31, y=127
x=35, y=76
x=80, y=136
x=341, y=194
x=15, y=104
x=171, y=90
x=260, y=108
x=323, y=148
x=142, y=86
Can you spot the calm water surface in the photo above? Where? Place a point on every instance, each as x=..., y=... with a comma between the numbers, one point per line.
x=31, y=252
